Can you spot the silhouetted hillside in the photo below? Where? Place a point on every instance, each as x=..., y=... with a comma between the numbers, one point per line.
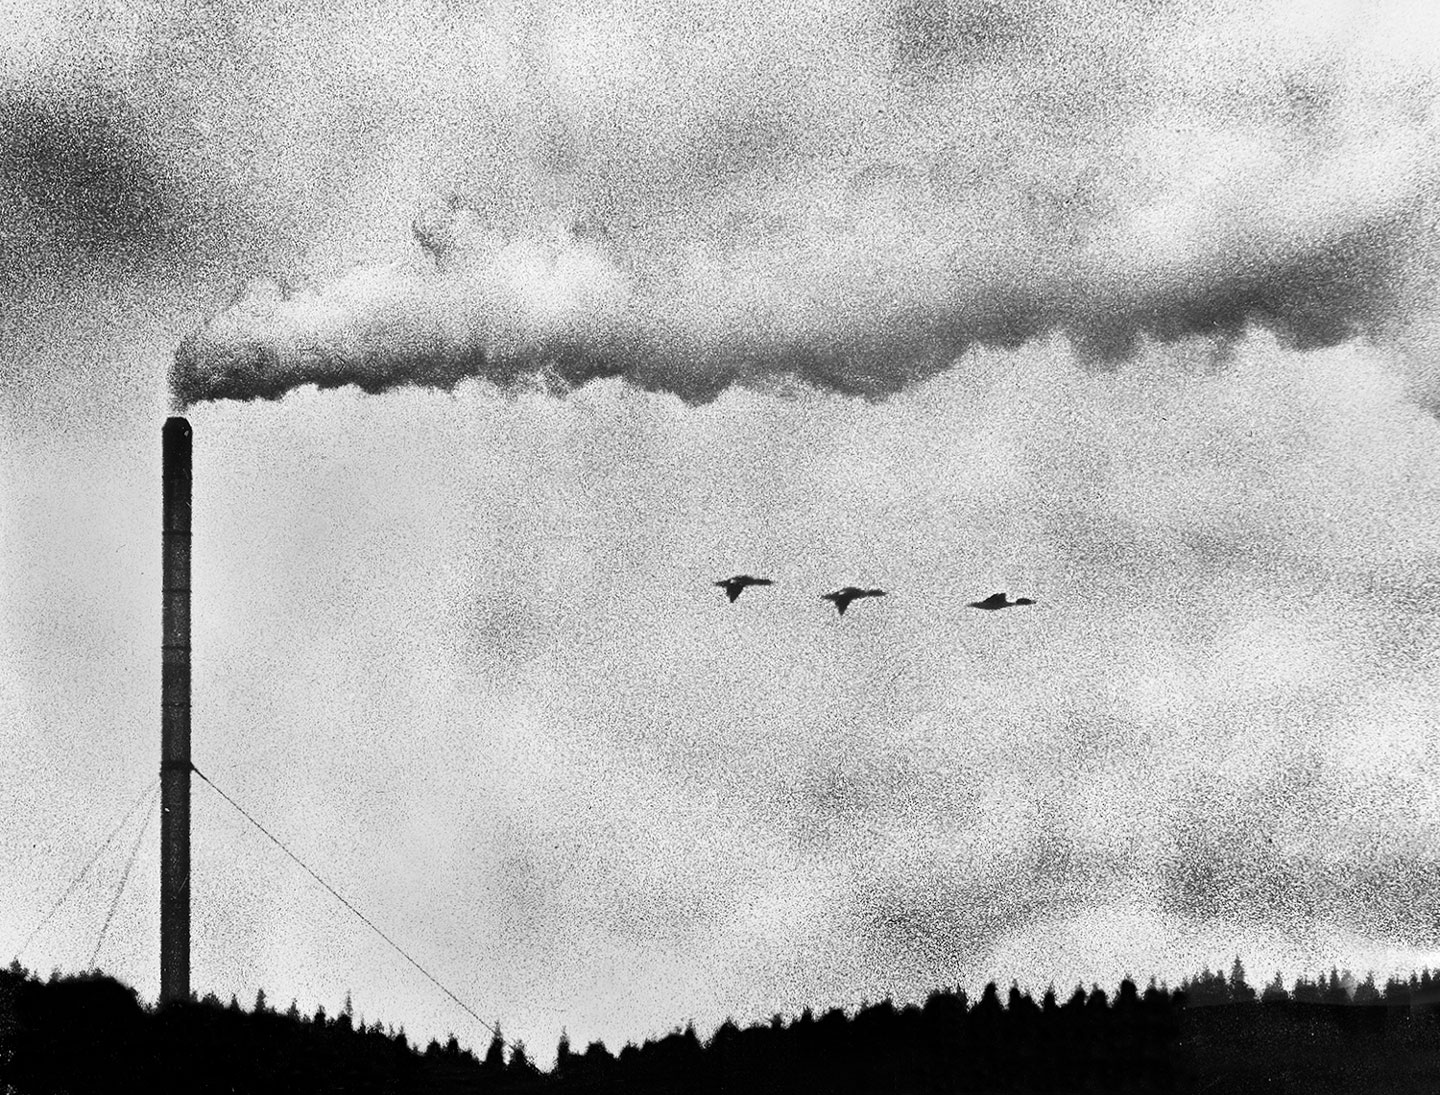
x=1216, y=1033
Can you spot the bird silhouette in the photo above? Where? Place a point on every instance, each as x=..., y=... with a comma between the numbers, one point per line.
x=733, y=587
x=843, y=597
x=997, y=600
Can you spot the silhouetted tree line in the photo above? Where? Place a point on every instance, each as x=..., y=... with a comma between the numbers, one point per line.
x=90, y=1033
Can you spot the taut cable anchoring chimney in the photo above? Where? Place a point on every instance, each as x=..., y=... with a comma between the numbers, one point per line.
x=175, y=717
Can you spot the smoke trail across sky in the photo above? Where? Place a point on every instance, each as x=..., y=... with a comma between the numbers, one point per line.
x=853, y=198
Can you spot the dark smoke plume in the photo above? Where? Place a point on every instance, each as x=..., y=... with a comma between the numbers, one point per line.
x=815, y=210
x=381, y=328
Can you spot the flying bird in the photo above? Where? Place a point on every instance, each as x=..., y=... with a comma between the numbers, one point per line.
x=843, y=597
x=733, y=587
x=997, y=600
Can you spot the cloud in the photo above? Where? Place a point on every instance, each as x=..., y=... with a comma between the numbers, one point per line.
x=764, y=199
x=83, y=168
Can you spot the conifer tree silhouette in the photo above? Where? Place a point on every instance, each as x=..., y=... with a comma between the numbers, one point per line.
x=1397, y=992
x=344, y=1022
x=493, y=1065
x=1366, y=992
x=1424, y=992
x=1238, y=990
x=1127, y=997
x=521, y=1067
x=1275, y=992
x=1334, y=992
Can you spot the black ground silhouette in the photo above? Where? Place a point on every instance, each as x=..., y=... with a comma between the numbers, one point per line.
x=1214, y=1034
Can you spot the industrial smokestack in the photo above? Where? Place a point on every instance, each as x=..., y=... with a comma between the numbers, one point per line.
x=175, y=717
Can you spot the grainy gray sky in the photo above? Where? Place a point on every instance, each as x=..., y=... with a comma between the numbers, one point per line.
x=1125, y=306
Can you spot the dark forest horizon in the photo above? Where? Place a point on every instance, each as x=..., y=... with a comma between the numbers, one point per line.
x=76, y=1033
x=1337, y=986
